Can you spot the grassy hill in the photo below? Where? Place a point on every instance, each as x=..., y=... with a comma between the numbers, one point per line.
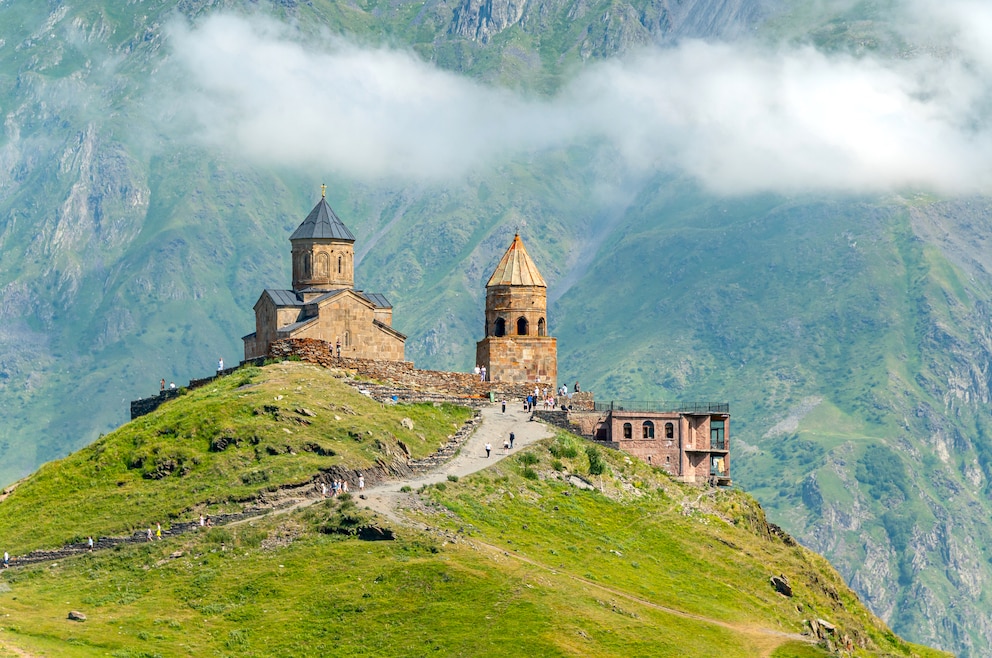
x=514, y=560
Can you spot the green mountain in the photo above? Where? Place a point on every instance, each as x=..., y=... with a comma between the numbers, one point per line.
x=519, y=558
x=140, y=219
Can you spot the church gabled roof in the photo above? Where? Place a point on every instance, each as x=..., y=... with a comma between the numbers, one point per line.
x=516, y=268
x=322, y=223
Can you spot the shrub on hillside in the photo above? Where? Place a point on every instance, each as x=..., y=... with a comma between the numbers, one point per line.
x=528, y=459
x=596, y=464
x=562, y=448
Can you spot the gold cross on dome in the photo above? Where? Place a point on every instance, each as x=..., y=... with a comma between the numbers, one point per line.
x=323, y=191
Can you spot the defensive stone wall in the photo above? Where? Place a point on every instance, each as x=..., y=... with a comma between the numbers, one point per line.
x=457, y=384
x=148, y=405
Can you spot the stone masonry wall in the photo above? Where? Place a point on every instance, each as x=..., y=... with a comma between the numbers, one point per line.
x=458, y=384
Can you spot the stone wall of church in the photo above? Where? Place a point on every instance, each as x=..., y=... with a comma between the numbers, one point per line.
x=529, y=359
x=325, y=264
x=350, y=321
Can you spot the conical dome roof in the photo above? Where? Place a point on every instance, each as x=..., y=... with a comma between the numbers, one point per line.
x=322, y=223
x=516, y=268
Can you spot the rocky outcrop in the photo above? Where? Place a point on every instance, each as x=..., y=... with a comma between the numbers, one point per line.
x=480, y=20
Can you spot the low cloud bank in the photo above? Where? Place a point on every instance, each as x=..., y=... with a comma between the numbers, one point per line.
x=739, y=117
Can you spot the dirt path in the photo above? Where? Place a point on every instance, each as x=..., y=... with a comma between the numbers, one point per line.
x=494, y=429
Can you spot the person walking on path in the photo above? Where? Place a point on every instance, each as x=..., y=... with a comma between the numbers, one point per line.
x=512, y=437
x=162, y=385
x=504, y=405
x=361, y=483
x=506, y=446
x=6, y=559
x=158, y=531
x=489, y=448
x=220, y=365
x=89, y=542
x=323, y=489
x=338, y=346
x=149, y=533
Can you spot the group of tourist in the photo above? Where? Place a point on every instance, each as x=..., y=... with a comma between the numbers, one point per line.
x=340, y=487
x=480, y=372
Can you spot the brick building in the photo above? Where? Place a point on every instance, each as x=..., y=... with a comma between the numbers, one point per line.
x=323, y=303
x=516, y=347
x=689, y=441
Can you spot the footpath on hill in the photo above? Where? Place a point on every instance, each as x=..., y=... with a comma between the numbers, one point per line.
x=495, y=428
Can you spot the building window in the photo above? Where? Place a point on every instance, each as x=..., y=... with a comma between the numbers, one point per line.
x=347, y=339
x=522, y=326
x=717, y=439
x=628, y=431
x=339, y=265
x=648, y=429
x=542, y=328
x=323, y=264
x=500, y=328
x=669, y=431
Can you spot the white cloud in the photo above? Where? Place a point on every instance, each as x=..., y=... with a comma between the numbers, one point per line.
x=739, y=117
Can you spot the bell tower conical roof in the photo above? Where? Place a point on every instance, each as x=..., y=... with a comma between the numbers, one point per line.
x=516, y=268
x=322, y=223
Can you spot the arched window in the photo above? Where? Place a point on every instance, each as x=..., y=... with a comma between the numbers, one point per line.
x=339, y=265
x=542, y=328
x=500, y=328
x=628, y=431
x=307, y=265
x=522, y=326
x=669, y=431
x=347, y=339
x=648, y=429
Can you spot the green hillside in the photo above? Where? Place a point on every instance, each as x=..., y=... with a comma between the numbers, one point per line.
x=513, y=560
x=848, y=332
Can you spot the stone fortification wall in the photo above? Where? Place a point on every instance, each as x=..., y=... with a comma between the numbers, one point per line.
x=583, y=423
x=402, y=373
x=148, y=405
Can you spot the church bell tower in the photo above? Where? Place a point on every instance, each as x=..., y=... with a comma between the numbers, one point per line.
x=516, y=347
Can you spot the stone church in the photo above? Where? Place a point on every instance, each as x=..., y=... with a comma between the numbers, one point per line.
x=323, y=302
x=517, y=347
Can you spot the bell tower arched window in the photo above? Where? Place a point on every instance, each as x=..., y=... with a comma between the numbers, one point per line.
x=339, y=265
x=522, y=327
x=647, y=430
x=542, y=327
x=628, y=431
x=669, y=431
x=500, y=328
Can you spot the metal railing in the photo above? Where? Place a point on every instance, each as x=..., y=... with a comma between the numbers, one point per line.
x=665, y=406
